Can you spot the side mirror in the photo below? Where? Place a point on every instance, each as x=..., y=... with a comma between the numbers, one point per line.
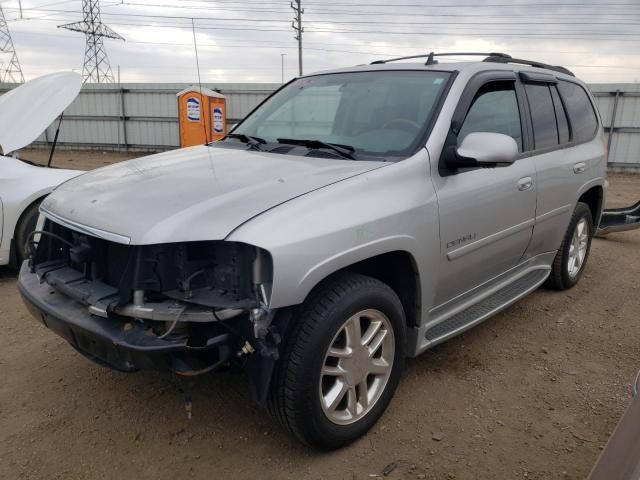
x=484, y=149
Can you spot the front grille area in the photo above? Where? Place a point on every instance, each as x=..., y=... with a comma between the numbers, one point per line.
x=211, y=273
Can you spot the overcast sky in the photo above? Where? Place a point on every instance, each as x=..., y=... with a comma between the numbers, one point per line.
x=242, y=41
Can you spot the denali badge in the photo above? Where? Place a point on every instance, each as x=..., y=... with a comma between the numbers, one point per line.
x=458, y=241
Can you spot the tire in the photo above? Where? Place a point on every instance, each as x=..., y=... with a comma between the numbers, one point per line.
x=26, y=224
x=300, y=386
x=562, y=276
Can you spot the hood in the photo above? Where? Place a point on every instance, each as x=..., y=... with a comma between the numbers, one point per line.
x=28, y=109
x=197, y=193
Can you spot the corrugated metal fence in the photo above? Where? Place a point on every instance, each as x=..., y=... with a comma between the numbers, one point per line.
x=619, y=105
x=144, y=116
x=138, y=115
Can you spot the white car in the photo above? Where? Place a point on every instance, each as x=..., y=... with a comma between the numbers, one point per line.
x=24, y=114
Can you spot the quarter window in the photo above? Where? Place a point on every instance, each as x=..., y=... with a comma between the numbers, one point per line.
x=494, y=109
x=582, y=117
x=543, y=115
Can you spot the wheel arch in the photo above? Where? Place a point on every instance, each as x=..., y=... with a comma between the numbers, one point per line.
x=593, y=198
x=399, y=270
x=13, y=254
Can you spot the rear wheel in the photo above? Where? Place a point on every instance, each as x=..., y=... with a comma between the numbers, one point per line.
x=572, y=256
x=341, y=362
x=26, y=224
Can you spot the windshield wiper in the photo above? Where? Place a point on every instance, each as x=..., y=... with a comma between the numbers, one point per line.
x=253, y=142
x=345, y=151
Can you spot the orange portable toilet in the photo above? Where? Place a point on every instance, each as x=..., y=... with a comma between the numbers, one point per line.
x=202, y=116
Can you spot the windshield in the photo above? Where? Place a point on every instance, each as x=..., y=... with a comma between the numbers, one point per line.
x=379, y=114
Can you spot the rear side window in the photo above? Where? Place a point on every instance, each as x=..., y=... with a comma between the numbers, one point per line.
x=582, y=117
x=543, y=115
x=494, y=109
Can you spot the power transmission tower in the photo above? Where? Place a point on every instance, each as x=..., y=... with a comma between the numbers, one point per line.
x=297, y=27
x=96, y=68
x=10, y=71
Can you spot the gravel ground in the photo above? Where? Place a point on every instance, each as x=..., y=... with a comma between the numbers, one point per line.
x=531, y=393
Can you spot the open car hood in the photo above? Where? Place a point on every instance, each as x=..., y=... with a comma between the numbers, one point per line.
x=27, y=110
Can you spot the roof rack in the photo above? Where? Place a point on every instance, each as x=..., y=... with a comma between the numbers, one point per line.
x=431, y=61
x=490, y=57
x=531, y=63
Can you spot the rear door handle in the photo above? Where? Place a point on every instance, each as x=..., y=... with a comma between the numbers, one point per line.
x=579, y=167
x=525, y=183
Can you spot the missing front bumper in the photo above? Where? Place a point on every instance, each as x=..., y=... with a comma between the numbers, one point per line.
x=124, y=346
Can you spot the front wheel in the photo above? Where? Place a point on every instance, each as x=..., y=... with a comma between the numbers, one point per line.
x=571, y=259
x=341, y=362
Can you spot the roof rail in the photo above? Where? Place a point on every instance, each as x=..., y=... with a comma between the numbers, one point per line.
x=490, y=57
x=430, y=57
x=531, y=63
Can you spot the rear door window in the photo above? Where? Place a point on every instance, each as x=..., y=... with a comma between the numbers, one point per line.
x=582, y=117
x=543, y=115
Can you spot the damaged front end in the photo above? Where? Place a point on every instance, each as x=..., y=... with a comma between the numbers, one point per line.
x=190, y=308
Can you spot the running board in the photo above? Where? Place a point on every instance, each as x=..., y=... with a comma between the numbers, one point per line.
x=487, y=307
x=619, y=220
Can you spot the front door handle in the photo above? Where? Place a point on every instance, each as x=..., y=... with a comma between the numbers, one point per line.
x=525, y=183
x=579, y=167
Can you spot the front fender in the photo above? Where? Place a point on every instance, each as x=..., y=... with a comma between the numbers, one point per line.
x=309, y=238
x=317, y=273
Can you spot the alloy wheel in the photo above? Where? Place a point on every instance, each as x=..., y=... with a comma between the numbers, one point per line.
x=578, y=248
x=356, y=367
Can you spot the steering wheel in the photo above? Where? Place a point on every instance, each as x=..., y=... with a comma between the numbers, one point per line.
x=403, y=121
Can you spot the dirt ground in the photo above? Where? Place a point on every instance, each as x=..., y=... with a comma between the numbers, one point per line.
x=531, y=393
x=77, y=159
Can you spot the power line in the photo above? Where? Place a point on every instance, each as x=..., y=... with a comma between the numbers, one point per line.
x=478, y=5
x=578, y=35
x=426, y=4
x=354, y=22
x=381, y=54
x=275, y=44
x=449, y=5
x=177, y=17
x=200, y=7
x=269, y=7
x=200, y=45
x=349, y=22
x=457, y=30
x=401, y=12
x=328, y=11
x=439, y=22
x=547, y=35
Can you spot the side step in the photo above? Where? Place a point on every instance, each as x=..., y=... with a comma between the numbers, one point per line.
x=491, y=305
x=619, y=220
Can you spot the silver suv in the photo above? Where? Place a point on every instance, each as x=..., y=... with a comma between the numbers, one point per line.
x=354, y=218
